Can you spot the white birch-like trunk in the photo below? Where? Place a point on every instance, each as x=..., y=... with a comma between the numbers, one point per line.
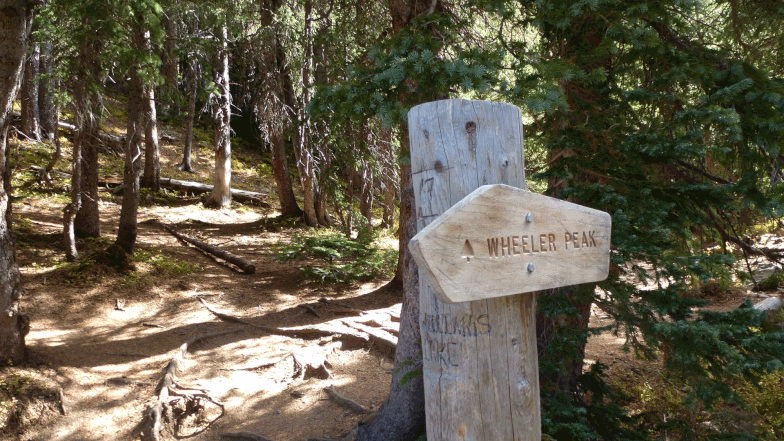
x=221, y=193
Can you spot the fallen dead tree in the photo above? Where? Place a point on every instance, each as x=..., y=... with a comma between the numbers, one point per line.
x=242, y=263
x=170, y=394
x=182, y=186
x=109, y=144
x=199, y=188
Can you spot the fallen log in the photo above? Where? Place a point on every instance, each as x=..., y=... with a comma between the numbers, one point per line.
x=242, y=263
x=112, y=144
x=183, y=186
x=199, y=188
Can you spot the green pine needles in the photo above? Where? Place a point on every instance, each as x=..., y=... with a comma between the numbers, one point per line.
x=335, y=258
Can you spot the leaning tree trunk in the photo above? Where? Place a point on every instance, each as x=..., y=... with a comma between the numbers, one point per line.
x=30, y=113
x=221, y=193
x=128, y=228
x=152, y=161
x=16, y=19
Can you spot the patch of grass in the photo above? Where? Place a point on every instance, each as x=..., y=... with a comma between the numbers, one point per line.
x=150, y=261
x=148, y=198
x=337, y=258
x=164, y=264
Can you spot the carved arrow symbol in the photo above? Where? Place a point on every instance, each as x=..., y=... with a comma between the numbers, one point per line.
x=468, y=251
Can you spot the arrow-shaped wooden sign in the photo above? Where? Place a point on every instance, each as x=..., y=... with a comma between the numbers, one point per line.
x=501, y=240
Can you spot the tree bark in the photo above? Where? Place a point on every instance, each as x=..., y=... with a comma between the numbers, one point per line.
x=278, y=96
x=128, y=228
x=88, y=107
x=30, y=112
x=402, y=416
x=306, y=163
x=221, y=193
x=70, y=210
x=46, y=89
x=16, y=20
x=171, y=62
x=152, y=161
x=193, y=72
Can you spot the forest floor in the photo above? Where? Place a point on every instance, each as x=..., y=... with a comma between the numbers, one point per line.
x=100, y=340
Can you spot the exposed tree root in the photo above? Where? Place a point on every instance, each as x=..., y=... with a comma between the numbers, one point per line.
x=329, y=329
x=174, y=404
x=243, y=436
x=346, y=402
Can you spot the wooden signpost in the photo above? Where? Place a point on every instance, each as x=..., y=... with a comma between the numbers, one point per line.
x=479, y=247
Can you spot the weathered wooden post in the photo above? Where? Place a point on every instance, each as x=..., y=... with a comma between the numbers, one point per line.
x=482, y=245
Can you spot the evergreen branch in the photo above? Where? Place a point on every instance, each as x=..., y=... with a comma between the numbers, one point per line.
x=745, y=246
x=703, y=173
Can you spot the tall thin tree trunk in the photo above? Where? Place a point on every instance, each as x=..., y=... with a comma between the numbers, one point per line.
x=193, y=72
x=70, y=210
x=128, y=228
x=16, y=20
x=30, y=112
x=46, y=89
x=280, y=168
x=402, y=416
x=306, y=163
x=171, y=62
x=152, y=161
x=221, y=192
x=283, y=97
x=88, y=221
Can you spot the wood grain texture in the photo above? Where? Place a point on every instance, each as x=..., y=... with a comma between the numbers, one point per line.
x=482, y=246
x=479, y=358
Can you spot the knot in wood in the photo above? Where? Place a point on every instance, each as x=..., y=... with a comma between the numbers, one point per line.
x=470, y=127
x=438, y=166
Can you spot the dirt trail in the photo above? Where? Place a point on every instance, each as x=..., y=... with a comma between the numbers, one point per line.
x=107, y=339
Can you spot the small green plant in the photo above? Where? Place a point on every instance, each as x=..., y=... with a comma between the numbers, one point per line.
x=772, y=282
x=163, y=263
x=341, y=259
